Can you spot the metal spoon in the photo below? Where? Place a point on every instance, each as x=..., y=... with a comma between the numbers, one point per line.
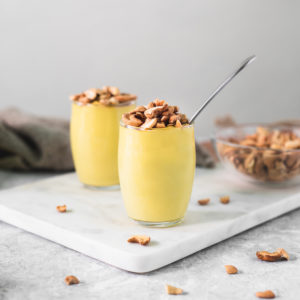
x=246, y=62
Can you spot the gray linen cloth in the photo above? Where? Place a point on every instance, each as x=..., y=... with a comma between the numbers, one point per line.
x=28, y=142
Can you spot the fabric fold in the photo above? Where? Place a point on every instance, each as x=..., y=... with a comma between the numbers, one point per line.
x=28, y=142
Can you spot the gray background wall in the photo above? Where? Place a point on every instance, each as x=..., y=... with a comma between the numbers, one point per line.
x=177, y=50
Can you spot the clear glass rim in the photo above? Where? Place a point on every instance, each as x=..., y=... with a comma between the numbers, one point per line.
x=122, y=104
x=241, y=126
x=151, y=129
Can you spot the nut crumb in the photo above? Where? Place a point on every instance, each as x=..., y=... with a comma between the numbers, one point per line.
x=279, y=254
x=160, y=125
x=125, y=97
x=114, y=90
x=149, y=123
x=140, y=239
x=172, y=290
x=284, y=254
x=140, y=109
x=230, y=269
x=75, y=97
x=61, y=208
x=91, y=94
x=268, y=294
x=203, y=201
x=69, y=280
x=178, y=124
x=225, y=199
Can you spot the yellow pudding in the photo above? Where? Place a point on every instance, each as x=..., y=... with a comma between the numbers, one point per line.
x=94, y=141
x=156, y=169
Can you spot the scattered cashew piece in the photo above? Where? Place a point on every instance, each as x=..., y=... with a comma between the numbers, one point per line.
x=204, y=201
x=268, y=294
x=61, y=208
x=225, y=199
x=140, y=239
x=69, y=280
x=230, y=269
x=172, y=290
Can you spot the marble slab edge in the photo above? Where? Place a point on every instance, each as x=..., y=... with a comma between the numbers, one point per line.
x=147, y=262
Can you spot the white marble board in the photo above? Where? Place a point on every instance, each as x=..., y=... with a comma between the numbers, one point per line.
x=97, y=224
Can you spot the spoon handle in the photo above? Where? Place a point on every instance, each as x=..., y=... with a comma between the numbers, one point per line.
x=222, y=85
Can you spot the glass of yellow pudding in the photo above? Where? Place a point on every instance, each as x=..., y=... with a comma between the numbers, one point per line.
x=95, y=119
x=156, y=164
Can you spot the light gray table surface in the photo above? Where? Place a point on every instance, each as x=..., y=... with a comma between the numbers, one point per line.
x=34, y=268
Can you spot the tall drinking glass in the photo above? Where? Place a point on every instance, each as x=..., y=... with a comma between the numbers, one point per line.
x=94, y=141
x=156, y=169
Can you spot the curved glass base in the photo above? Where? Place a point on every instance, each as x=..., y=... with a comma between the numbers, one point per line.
x=103, y=188
x=160, y=224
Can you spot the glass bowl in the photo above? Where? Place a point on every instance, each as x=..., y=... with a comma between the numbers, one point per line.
x=259, y=164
